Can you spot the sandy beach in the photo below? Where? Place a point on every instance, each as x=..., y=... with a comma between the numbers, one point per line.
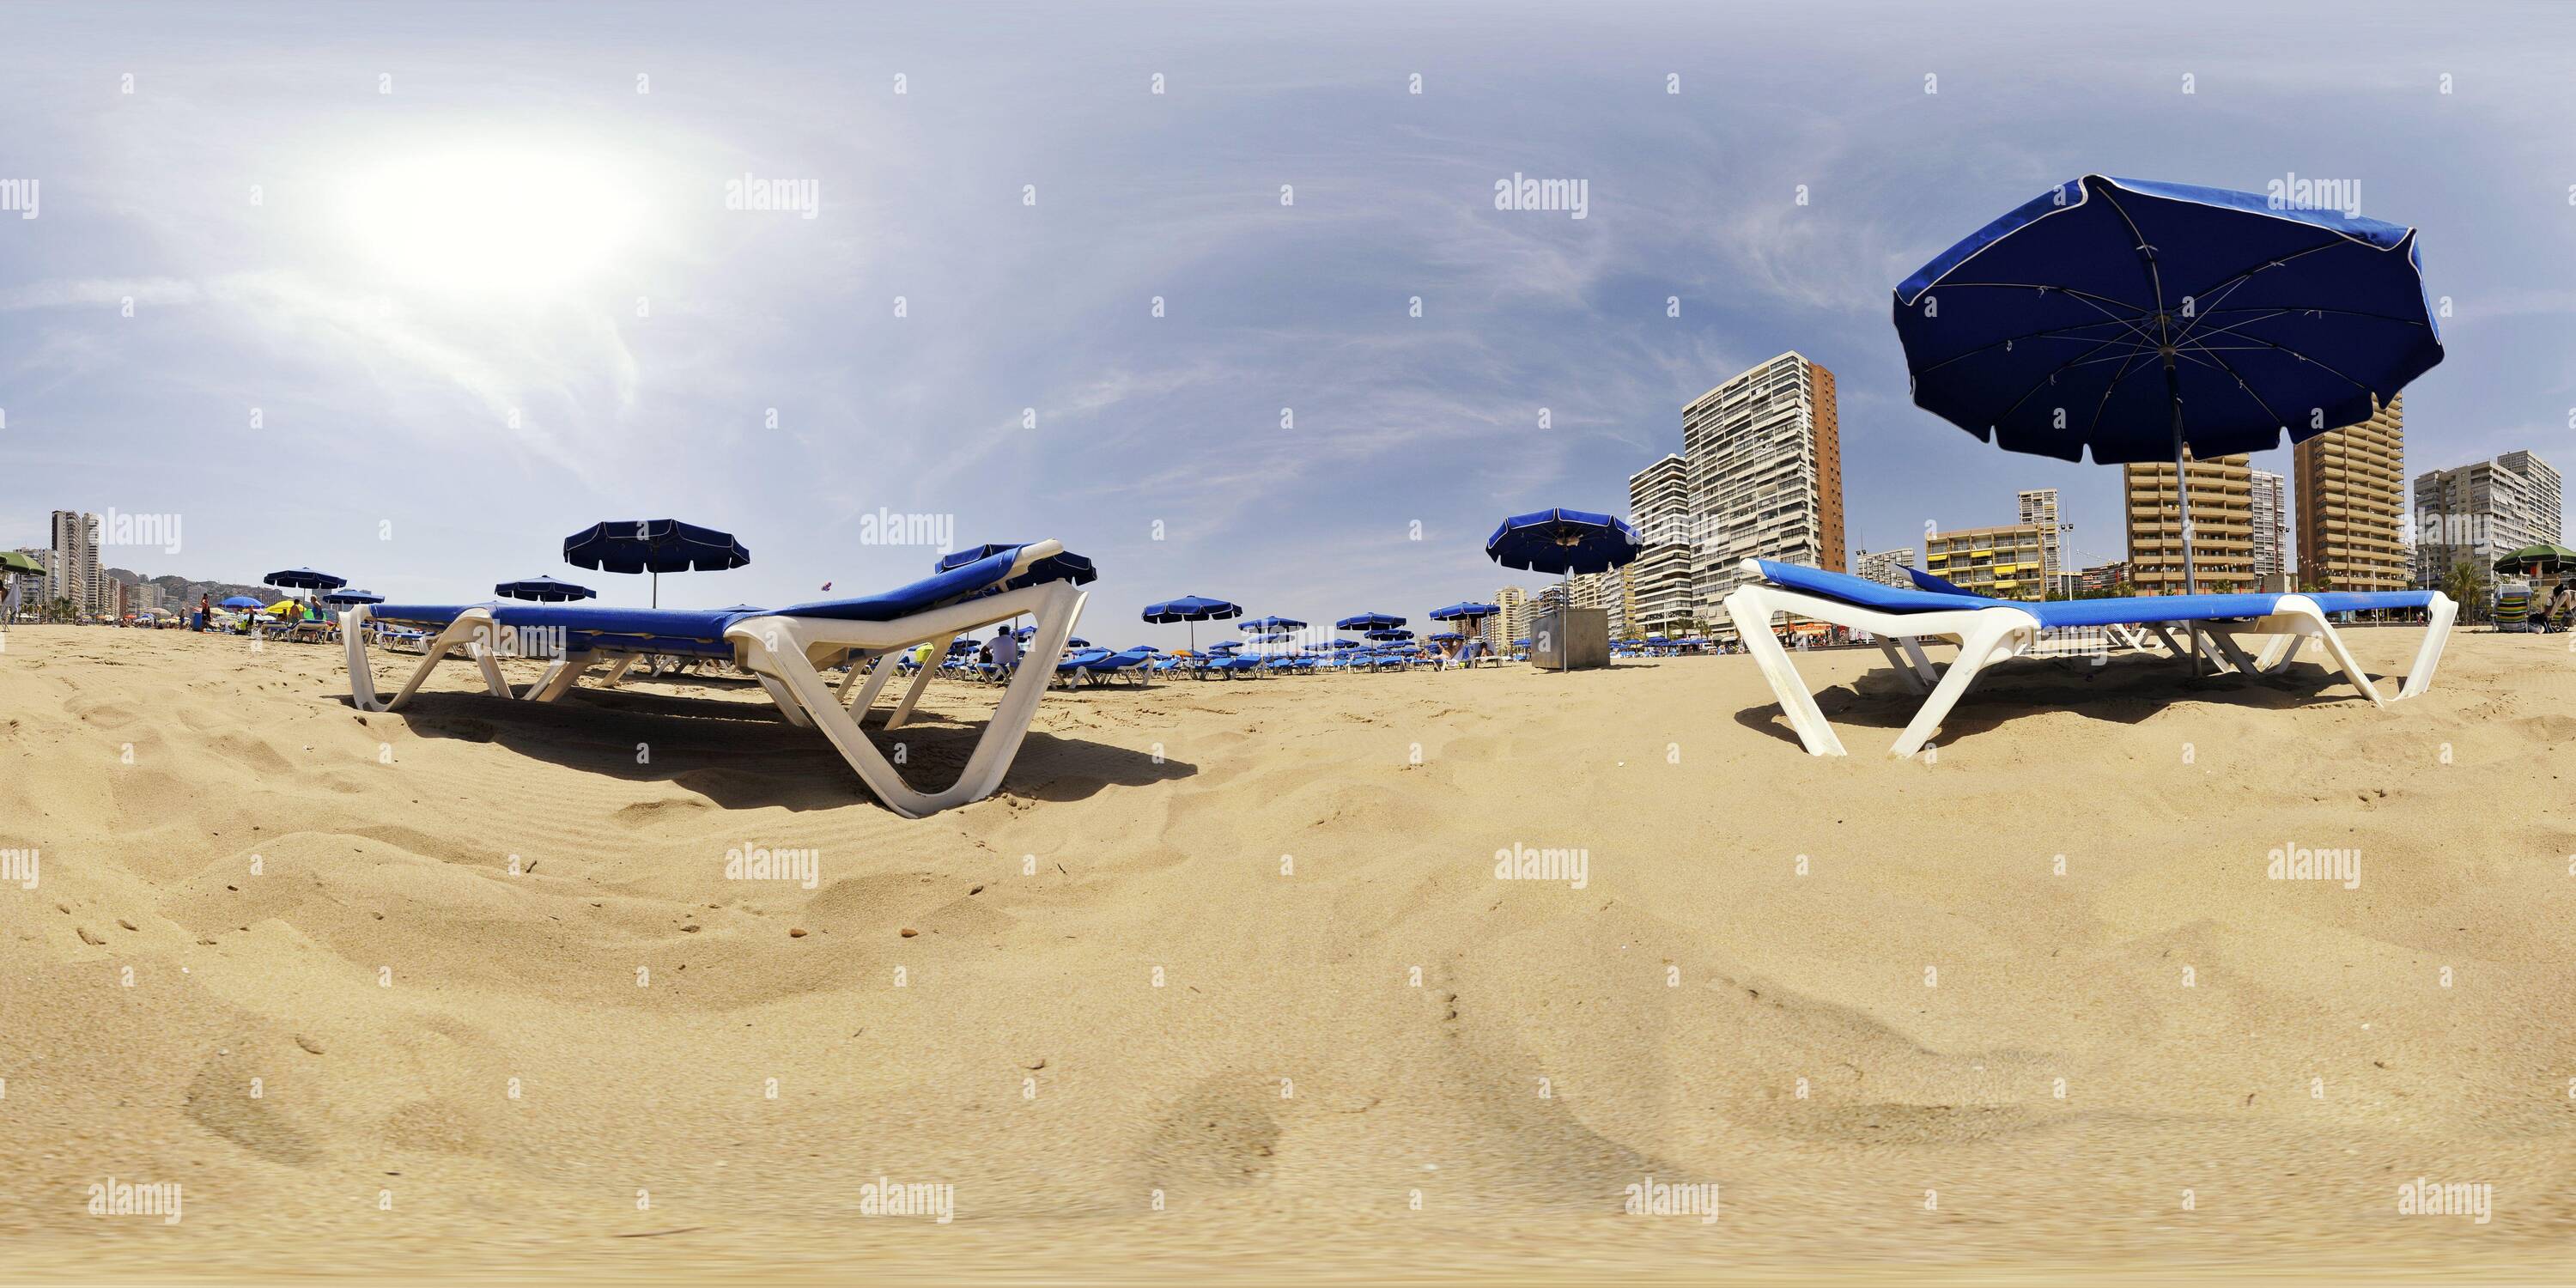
x=1225, y=975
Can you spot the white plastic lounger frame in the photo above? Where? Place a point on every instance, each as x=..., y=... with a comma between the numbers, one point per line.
x=1993, y=633
x=784, y=654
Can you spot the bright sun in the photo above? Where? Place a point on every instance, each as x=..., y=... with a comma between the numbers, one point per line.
x=489, y=221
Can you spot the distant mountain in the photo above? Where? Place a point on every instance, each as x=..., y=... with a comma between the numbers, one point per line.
x=179, y=592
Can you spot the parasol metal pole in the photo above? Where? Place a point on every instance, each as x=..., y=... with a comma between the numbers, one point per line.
x=2182, y=501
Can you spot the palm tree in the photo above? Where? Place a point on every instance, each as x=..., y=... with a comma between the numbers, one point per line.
x=2467, y=587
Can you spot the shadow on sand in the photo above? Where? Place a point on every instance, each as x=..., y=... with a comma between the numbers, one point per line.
x=2127, y=689
x=744, y=756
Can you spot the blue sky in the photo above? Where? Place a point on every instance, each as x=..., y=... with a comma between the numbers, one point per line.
x=431, y=419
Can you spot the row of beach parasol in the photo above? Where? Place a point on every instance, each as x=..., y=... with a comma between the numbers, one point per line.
x=654, y=546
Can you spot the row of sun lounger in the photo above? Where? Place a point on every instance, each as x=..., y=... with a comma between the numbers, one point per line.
x=874, y=637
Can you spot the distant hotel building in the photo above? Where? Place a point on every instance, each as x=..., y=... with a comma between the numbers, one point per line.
x=2103, y=579
x=1887, y=567
x=1764, y=458
x=1610, y=591
x=73, y=572
x=2001, y=562
x=2548, y=502
x=2038, y=507
x=31, y=586
x=2222, y=526
x=2271, y=523
x=1511, y=619
x=2479, y=513
x=2352, y=498
x=1660, y=580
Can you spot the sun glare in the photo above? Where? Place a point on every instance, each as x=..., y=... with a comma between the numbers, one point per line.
x=489, y=221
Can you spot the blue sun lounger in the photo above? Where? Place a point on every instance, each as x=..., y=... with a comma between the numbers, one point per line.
x=1229, y=665
x=1097, y=666
x=1988, y=631
x=1078, y=663
x=785, y=649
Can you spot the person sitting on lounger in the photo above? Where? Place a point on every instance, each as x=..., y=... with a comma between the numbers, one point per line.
x=1004, y=651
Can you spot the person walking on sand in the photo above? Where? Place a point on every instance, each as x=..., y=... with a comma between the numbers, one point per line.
x=205, y=611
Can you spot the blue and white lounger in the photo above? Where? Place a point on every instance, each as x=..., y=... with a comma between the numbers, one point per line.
x=1988, y=631
x=783, y=649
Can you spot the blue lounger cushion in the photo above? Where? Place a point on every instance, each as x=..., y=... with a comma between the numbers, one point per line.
x=2357, y=601
x=937, y=591
x=2131, y=611
x=1937, y=585
x=431, y=615
x=1864, y=592
x=701, y=632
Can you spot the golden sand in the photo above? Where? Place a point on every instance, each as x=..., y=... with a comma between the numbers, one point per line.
x=1225, y=976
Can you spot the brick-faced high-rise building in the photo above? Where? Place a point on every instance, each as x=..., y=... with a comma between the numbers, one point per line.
x=1764, y=456
x=2351, y=485
x=2222, y=526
